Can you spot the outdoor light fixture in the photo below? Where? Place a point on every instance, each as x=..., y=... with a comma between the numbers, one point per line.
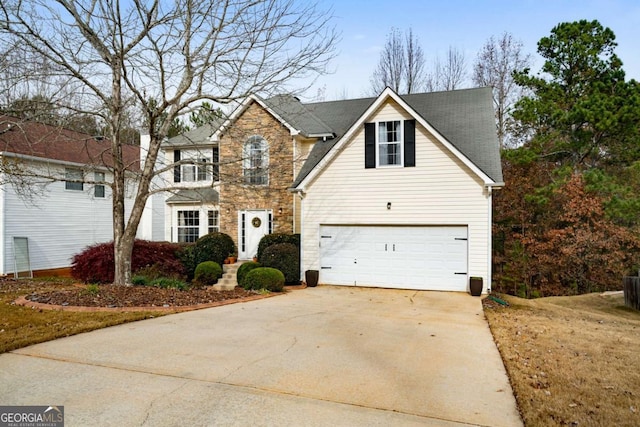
x=280, y=211
x=388, y=205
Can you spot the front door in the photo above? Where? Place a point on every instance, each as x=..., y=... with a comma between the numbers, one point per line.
x=252, y=225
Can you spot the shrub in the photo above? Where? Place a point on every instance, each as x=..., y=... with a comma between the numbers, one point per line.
x=274, y=239
x=139, y=280
x=286, y=258
x=264, y=278
x=95, y=263
x=184, y=253
x=207, y=273
x=244, y=269
x=156, y=271
x=213, y=247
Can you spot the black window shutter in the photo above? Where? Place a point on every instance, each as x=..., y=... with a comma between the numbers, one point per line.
x=176, y=169
x=369, y=145
x=409, y=143
x=216, y=163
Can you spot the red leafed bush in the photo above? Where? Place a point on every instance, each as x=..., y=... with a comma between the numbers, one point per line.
x=95, y=264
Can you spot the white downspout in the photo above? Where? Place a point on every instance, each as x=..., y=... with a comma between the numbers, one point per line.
x=490, y=238
x=3, y=221
x=302, y=239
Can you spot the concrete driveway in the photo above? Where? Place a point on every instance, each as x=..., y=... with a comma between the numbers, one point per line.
x=325, y=356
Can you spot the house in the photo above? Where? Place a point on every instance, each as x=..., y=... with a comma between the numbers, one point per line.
x=391, y=191
x=49, y=211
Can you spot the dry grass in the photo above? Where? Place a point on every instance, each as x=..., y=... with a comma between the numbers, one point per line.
x=572, y=361
x=23, y=326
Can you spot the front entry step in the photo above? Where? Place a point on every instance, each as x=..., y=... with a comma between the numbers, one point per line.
x=228, y=280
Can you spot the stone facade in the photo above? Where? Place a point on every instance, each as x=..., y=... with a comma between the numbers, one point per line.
x=235, y=194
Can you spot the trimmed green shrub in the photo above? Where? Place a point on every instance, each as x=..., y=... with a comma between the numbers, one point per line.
x=274, y=239
x=213, y=247
x=207, y=273
x=286, y=258
x=264, y=278
x=184, y=254
x=244, y=269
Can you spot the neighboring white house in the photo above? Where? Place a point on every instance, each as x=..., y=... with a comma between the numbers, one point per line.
x=392, y=191
x=58, y=218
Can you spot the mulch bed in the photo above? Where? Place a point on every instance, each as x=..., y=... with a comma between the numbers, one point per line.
x=135, y=296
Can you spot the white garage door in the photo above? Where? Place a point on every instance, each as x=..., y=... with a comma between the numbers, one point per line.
x=405, y=257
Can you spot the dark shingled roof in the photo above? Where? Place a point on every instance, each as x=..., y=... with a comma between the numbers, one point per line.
x=464, y=117
x=197, y=136
x=195, y=195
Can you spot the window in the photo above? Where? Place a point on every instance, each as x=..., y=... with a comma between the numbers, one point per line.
x=214, y=221
x=75, y=178
x=196, y=167
x=201, y=171
x=98, y=189
x=256, y=161
x=188, y=226
x=389, y=143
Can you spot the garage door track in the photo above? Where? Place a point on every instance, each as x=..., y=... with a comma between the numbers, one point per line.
x=319, y=356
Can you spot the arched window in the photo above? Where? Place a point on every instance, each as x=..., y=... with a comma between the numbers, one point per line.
x=256, y=161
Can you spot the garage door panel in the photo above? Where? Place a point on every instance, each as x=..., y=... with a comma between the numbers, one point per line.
x=411, y=257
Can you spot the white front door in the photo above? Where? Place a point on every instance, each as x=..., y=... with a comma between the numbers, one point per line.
x=252, y=226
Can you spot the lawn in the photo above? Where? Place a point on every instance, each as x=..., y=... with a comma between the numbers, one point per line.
x=572, y=361
x=22, y=326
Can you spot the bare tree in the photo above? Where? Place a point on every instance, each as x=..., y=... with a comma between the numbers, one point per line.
x=448, y=74
x=414, y=70
x=401, y=64
x=177, y=53
x=494, y=66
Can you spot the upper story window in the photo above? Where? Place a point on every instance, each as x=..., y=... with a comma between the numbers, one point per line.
x=255, y=161
x=74, y=178
x=98, y=189
x=389, y=143
x=196, y=166
x=199, y=171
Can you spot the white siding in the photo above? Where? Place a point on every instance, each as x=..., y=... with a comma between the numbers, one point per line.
x=440, y=190
x=59, y=223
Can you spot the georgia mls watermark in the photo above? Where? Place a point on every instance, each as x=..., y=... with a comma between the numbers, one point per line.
x=31, y=416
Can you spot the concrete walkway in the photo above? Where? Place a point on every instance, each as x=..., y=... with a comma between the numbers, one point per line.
x=325, y=356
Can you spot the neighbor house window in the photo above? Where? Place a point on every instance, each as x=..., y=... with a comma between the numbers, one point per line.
x=188, y=226
x=214, y=222
x=256, y=161
x=98, y=189
x=74, y=178
x=389, y=143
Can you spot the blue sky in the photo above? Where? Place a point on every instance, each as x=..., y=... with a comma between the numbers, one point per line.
x=466, y=25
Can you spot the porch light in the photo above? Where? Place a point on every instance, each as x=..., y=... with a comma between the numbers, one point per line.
x=388, y=205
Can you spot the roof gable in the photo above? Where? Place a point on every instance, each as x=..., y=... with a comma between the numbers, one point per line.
x=461, y=120
x=215, y=136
